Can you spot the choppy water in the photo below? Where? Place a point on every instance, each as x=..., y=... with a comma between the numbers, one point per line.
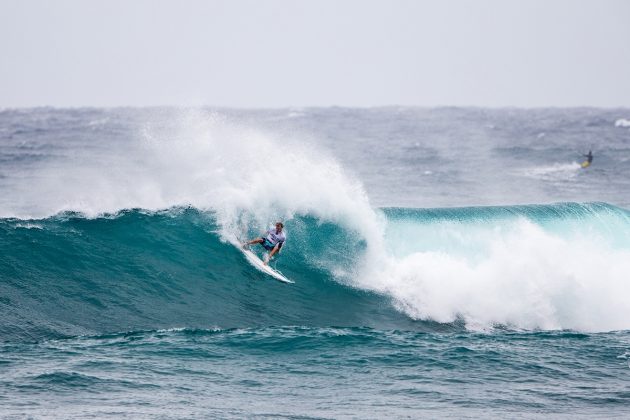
x=447, y=263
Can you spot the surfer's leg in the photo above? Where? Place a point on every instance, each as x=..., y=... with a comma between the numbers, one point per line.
x=273, y=251
x=253, y=241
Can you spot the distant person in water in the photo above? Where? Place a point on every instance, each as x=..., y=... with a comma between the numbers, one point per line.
x=589, y=159
x=273, y=241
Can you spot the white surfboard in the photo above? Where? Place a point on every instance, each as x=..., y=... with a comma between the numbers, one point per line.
x=257, y=262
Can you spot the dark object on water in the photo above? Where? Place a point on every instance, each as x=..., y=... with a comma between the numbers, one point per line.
x=589, y=159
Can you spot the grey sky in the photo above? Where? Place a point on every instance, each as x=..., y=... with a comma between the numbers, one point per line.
x=318, y=53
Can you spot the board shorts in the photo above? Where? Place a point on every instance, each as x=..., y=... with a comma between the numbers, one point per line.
x=267, y=244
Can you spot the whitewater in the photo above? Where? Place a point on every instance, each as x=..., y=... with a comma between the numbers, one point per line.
x=454, y=253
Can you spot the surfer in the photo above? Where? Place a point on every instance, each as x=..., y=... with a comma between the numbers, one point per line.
x=272, y=242
x=589, y=157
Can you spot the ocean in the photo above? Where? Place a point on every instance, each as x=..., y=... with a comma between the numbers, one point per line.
x=448, y=263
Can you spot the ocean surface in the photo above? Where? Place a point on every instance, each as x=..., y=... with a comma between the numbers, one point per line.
x=448, y=263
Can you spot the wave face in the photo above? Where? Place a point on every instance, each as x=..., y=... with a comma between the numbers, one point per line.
x=69, y=275
x=552, y=267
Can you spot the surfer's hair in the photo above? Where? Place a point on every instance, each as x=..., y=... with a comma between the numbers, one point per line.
x=280, y=223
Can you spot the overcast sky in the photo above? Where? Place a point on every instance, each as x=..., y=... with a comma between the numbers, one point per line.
x=278, y=53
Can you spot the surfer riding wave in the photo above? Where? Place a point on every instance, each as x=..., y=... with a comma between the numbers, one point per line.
x=589, y=159
x=273, y=241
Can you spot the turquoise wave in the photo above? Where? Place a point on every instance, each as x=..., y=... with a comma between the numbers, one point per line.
x=69, y=275
x=464, y=230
